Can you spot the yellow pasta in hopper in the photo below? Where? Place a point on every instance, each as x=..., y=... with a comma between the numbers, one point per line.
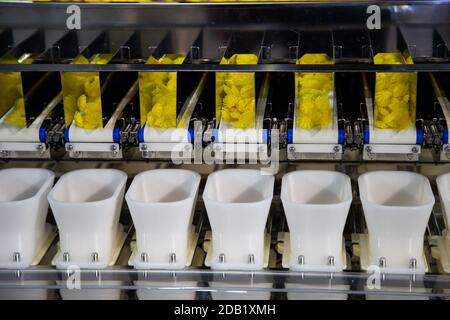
x=313, y=91
x=235, y=93
x=82, y=94
x=395, y=94
x=158, y=94
x=11, y=92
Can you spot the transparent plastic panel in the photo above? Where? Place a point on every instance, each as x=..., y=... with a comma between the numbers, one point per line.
x=82, y=94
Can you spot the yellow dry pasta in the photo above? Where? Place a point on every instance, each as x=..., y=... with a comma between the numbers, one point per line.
x=395, y=94
x=313, y=91
x=11, y=92
x=235, y=93
x=158, y=94
x=82, y=94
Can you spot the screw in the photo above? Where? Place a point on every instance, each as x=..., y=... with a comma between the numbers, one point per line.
x=447, y=148
x=113, y=147
x=414, y=150
x=301, y=259
x=66, y=257
x=291, y=149
x=144, y=257
x=16, y=257
x=413, y=263
x=173, y=258
x=251, y=259
x=336, y=149
x=94, y=257
x=331, y=261
x=69, y=147
x=382, y=262
x=144, y=147
x=222, y=258
x=368, y=149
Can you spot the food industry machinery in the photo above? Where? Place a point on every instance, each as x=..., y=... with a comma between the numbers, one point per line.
x=280, y=87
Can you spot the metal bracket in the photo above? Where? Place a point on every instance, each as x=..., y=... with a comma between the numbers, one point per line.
x=445, y=153
x=391, y=152
x=10, y=150
x=82, y=150
x=240, y=151
x=166, y=150
x=303, y=151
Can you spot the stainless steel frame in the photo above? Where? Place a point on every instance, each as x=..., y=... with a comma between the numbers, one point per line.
x=419, y=21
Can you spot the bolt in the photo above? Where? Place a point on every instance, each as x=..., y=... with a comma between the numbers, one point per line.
x=382, y=262
x=331, y=261
x=66, y=257
x=413, y=263
x=301, y=259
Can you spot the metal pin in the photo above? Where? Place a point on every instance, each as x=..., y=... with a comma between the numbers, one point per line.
x=16, y=257
x=413, y=263
x=173, y=258
x=66, y=257
x=301, y=259
x=94, y=257
x=251, y=259
x=222, y=258
x=331, y=261
x=382, y=262
x=144, y=257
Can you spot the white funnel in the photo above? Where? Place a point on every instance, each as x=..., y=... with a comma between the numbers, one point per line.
x=397, y=206
x=86, y=205
x=238, y=203
x=316, y=204
x=443, y=184
x=162, y=204
x=23, y=212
